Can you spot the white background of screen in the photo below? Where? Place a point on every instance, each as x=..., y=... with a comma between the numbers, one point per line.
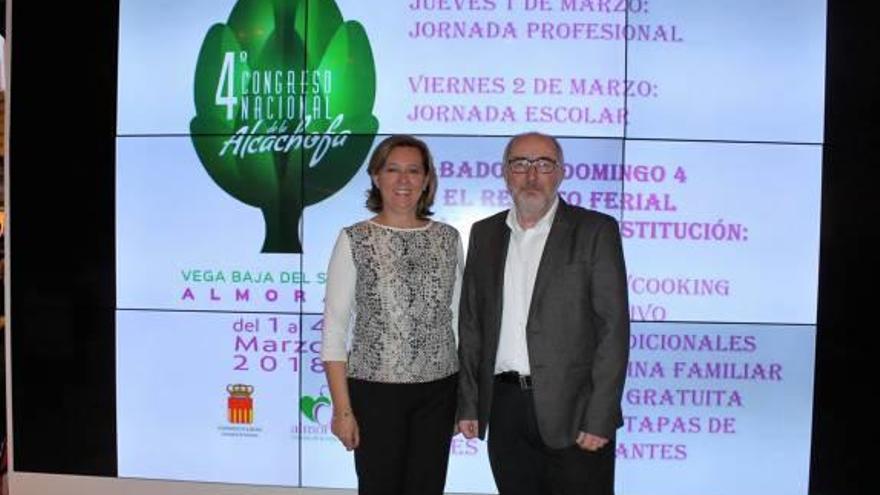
x=738, y=105
x=746, y=70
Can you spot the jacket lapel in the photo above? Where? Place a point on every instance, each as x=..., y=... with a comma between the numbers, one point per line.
x=552, y=256
x=495, y=266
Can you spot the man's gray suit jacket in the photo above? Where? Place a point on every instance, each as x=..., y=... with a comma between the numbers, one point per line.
x=577, y=330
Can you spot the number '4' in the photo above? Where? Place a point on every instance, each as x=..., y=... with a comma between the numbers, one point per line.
x=227, y=73
x=680, y=176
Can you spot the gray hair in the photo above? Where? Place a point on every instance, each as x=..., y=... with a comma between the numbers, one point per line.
x=516, y=138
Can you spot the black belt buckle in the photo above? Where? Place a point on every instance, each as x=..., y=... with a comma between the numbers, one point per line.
x=512, y=377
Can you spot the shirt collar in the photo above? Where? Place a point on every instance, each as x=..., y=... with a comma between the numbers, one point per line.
x=543, y=224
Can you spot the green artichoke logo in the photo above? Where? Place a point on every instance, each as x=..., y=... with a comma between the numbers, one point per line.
x=284, y=95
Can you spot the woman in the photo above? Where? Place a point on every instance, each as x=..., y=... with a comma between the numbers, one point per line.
x=395, y=280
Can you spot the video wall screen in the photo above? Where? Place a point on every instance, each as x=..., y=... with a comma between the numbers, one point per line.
x=243, y=131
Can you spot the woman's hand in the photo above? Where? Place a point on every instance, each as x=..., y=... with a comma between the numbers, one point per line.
x=345, y=427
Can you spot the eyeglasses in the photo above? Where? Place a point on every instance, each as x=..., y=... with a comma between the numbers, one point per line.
x=542, y=164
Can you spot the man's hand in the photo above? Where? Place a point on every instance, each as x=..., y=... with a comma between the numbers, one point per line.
x=588, y=441
x=468, y=427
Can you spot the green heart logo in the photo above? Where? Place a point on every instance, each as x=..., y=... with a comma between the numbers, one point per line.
x=309, y=405
x=284, y=94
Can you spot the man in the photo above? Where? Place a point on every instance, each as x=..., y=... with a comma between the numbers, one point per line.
x=544, y=333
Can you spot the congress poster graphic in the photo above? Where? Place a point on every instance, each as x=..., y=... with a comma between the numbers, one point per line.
x=244, y=127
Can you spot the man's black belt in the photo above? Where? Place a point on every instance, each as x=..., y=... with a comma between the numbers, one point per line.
x=512, y=377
